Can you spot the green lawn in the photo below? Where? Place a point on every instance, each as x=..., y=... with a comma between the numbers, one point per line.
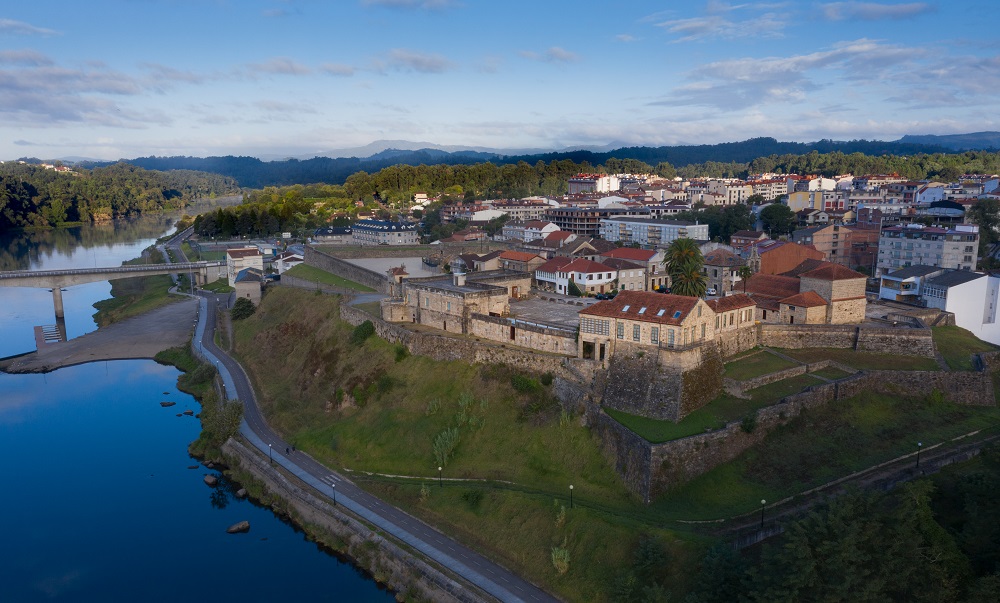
x=196, y=254
x=755, y=365
x=313, y=274
x=134, y=296
x=219, y=286
x=373, y=308
x=957, y=345
x=864, y=360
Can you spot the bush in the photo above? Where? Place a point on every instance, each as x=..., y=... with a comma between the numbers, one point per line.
x=573, y=290
x=473, y=498
x=445, y=444
x=560, y=558
x=401, y=352
x=243, y=308
x=524, y=384
x=546, y=379
x=362, y=332
x=749, y=423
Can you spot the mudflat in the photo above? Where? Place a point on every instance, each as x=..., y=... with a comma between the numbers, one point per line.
x=141, y=336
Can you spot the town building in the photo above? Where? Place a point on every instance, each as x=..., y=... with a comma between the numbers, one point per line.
x=832, y=240
x=650, y=259
x=249, y=284
x=720, y=269
x=333, y=235
x=521, y=261
x=776, y=257
x=521, y=232
x=586, y=221
x=911, y=244
x=650, y=232
x=743, y=238
x=238, y=259
x=816, y=292
x=384, y=232
x=599, y=183
x=287, y=260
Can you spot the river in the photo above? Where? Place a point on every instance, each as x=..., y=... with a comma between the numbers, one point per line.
x=99, y=498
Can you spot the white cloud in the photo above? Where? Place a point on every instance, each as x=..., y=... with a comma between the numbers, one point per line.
x=19, y=28
x=280, y=66
x=337, y=69
x=24, y=57
x=412, y=4
x=402, y=59
x=874, y=11
x=554, y=54
x=720, y=21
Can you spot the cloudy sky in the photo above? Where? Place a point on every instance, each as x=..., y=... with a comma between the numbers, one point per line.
x=110, y=79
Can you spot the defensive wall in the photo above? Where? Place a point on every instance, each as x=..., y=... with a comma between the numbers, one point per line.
x=523, y=334
x=863, y=338
x=302, y=283
x=651, y=469
x=369, y=278
x=354, y=252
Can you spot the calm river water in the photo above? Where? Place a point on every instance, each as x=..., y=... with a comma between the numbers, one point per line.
x=97, y=500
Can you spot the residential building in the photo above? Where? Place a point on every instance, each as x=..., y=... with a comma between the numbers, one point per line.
x=833, y=240
x=587, y=275
x=815, y=293
x=911, y=244
x=522, y=210
x=733, y=312
x=333, y=235
x=650, y=259
x=249, y=284
x=776, y=257
x=650, y=232
x=586, y=221
x=599, y=183
x=742, y=238
x=547, y=275
x=238, y=259
x=287, y=260
x=631, y=276
x=520, y=260
x=720, y=270
x=384, y=232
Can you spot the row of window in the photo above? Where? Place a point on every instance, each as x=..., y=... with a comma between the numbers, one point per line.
x=687, y=335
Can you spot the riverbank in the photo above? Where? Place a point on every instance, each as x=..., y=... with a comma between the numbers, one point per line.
x=139, y=337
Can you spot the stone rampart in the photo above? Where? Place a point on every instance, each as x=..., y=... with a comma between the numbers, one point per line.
x=627, y=452
x=523, y=334
x=364, y=276
x=393, y=251
x=865, y=338
x=737, y=341
x=301, y=283
x=897, y=341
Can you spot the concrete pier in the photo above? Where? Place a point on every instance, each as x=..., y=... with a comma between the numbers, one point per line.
x=58, y=303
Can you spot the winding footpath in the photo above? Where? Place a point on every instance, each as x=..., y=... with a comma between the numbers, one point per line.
x=493, y=579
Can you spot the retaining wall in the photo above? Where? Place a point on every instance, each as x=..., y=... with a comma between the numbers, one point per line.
x=369, y=278
x=526, y=335
x=888, y=340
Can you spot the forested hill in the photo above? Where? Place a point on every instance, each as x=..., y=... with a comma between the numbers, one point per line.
x=34, y=197
x=254, y=173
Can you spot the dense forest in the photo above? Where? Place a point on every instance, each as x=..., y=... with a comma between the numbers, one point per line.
x=724, y=159
x=35, y=197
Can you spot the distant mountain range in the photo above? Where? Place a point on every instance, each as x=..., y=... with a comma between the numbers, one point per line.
x=335, y=165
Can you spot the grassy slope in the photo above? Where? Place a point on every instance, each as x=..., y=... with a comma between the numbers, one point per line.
x=755, y=365
x=864, y=360
x=957, y=346
x=310, y=273
x=134, y=296
x=303, y=358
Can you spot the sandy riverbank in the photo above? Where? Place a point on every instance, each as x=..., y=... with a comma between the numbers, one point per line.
x=138, y=337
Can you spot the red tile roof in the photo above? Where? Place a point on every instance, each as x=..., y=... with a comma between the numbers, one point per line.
x=730, y=302
x=722, y=257
x=630, y=253
x=808, y=299
x=772, y=285
x=558, y=235
x=518, y=256
x=656, y=307
x=553, y=265
x=583, y=265
x=832, y=272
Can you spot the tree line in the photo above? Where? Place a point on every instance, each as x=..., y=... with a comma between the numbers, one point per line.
x=35, y=197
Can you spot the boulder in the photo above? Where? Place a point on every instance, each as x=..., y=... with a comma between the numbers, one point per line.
x=211, y=480
x=237, y=528
x=167, y=404
x=241, y=493
x=189, y=412
x=192, y=466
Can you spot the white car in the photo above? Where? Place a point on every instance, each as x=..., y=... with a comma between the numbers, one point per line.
x=710, y=291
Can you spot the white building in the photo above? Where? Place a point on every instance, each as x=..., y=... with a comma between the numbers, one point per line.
x=648, y=232
x=913, y=244
x=239, y=259
x=384, y=232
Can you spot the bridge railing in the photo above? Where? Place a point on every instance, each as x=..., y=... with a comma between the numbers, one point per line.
x=112, y=270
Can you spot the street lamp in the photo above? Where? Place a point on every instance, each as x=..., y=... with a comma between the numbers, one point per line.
x=269, y=457
x=440, y=479
x=571, y=496
x=762, y=503
x=919, y=446
x=333, y=487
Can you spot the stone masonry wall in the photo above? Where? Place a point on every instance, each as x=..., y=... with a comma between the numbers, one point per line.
x=737, y=340
x=369, y=278
x=901, y=341
x=526, y=335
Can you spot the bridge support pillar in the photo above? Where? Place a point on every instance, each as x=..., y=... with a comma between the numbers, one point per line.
x=58, y=303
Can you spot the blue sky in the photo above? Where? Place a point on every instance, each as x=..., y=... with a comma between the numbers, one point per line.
x=111, y=79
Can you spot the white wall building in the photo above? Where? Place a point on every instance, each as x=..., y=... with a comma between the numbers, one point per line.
x=648, y=232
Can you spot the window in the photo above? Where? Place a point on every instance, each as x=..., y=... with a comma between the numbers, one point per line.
x=716, y=322
x=660, y=312
x=621, y=330
x=636, y=332
x=654, y=335
x=703, y=330
x=642, y=310
x=699, y=311
x=427, y=301
x=670, y=337
x=594, y=325
x=625, y=309
x=449, y=306
x=677, y=314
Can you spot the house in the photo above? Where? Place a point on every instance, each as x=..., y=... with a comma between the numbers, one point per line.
x=547, y=274
x=249, y=283
x=743, y=238
x=465, y=235
x=243, y=257
x=815, y=292
x=833, y=240
x=587, y=276
x=641, y=318
x=652, y=260
x=631, y=276
x=527, y=231
x=522, y=261
x=287, y=260
x=733, y=312
x=720, y=268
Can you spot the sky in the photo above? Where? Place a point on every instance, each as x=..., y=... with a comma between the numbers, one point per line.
x=111, y=79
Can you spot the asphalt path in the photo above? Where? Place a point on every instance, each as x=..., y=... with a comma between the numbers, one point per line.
x=495, y=580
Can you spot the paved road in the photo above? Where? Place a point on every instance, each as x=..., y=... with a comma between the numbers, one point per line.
x=473, y=567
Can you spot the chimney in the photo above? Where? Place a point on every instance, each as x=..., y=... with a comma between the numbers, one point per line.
x=459, y=279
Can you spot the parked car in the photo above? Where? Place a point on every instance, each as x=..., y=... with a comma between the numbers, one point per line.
x=711, y=291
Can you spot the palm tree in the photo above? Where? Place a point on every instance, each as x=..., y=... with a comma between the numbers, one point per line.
x=684, y=262
x=744, y=272
x=689, y=281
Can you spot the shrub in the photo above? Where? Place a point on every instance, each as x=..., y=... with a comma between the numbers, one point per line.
x=401, y=352
x=362, y=332
x=473, y=498
x=524, y=384
x=243, y=308
x=573, y=290
x=445, y=444
x=546, y=379
x=560, y=558
x=749, y=423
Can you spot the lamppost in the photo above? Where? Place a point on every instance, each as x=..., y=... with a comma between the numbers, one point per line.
x=762, y=503
x=333, y=488
x=440, y=479
x=270, y=458
x=919, y=446
x=571, y=496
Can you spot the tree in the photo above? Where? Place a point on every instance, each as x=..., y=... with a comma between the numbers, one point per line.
x=684, y=261
x=756, y=199
x=986, y=213
x=778, y=219
x=242, y=308
x=744, y=272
